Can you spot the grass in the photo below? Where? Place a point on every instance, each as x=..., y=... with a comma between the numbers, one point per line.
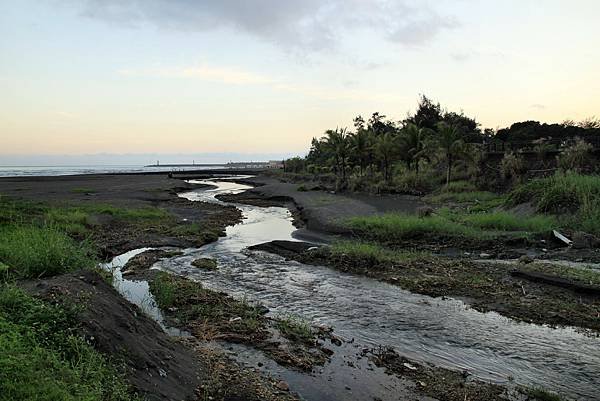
x=463, y=197
x=392, y=227
x=295, y=328
x=43, y=358
x=397, y=226
x=576, y=195
x=506, y=221
x=31, y=251
x=373, y=254
x=583, y=275
x=542, y=395
x=192, y=302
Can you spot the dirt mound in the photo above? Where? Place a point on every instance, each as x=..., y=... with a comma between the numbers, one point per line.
x=158, y=367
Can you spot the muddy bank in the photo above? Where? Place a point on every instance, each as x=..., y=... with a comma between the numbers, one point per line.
x=486, y=286
x=185, y=223
x=322, y=211
x=157, y=366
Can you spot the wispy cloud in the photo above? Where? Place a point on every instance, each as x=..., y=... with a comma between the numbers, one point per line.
x=234, y=76
x=225, y=75
x=307, y=25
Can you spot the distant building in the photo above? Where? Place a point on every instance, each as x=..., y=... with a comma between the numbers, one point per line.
x=275, y=164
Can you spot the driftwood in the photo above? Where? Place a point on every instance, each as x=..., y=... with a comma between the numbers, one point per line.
x=557, y=282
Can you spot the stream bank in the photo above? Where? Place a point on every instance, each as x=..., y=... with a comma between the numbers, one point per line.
x=368, y=314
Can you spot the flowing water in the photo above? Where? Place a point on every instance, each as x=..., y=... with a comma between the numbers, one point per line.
x=444, y=332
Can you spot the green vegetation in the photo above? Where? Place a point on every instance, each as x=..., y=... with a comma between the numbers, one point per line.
x=582, y=275
x=506, y=221
x=295, y=328
x=393, y=227
x=42, y=354
x=572, y=193
x=540, y=394
x=205, y=263
x=193, y=303
x=32, y=252
x=43, y=358
x=465, y=192
x=373, y=254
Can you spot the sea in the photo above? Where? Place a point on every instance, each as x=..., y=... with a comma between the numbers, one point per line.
x=22, y=171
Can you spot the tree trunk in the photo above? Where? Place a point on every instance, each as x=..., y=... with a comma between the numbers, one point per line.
x=448, y=169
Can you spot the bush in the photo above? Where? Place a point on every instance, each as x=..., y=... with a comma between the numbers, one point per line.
x=512, y=167
x=569, y=192
x=32, y=252
x=576, y=157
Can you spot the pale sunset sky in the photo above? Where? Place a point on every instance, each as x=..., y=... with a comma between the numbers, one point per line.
x=265, y=76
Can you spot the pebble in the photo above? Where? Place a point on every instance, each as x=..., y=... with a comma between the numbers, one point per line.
x=283, y=386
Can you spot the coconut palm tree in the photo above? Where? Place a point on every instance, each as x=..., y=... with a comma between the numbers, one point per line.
x=361, y=147
x=413, y=143
x=338, y=146
x=384, y=148
x=453, y=147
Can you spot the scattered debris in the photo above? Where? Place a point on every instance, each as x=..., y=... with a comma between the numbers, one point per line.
x=561, y=237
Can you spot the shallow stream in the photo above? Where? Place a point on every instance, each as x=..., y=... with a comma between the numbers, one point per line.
x=444, y=332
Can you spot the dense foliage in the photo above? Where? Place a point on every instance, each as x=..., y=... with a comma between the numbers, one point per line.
x=434, y=146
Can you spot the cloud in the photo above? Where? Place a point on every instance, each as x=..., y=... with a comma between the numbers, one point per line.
x=232, y=76
x=307, y=25
x=420, y=32
x=538, y=106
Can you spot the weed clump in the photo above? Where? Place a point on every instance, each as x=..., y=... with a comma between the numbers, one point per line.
x=32, y=252
x=569, y=193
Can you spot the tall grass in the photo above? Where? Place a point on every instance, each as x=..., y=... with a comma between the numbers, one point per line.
x=572, y=194
x=31, y=251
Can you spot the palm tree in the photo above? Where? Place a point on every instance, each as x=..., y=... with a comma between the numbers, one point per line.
x=384, y=148
x=450, y=141
x=337, y=144
x=413, y=143
x=360, y=146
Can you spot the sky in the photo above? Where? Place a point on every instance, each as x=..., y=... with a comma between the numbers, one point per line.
x=262, y=77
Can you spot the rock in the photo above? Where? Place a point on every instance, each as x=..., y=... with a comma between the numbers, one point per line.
x=425, y=211
x=484, y=255
x=409, y=366
x=205, y=263
x=283, y=386
x=336, y=341
x=525, y=259
x=583, y=240
x=127, y=273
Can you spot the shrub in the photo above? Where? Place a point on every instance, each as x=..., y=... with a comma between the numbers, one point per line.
x=564, y=192
x=512, y=167
x=576, y=157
